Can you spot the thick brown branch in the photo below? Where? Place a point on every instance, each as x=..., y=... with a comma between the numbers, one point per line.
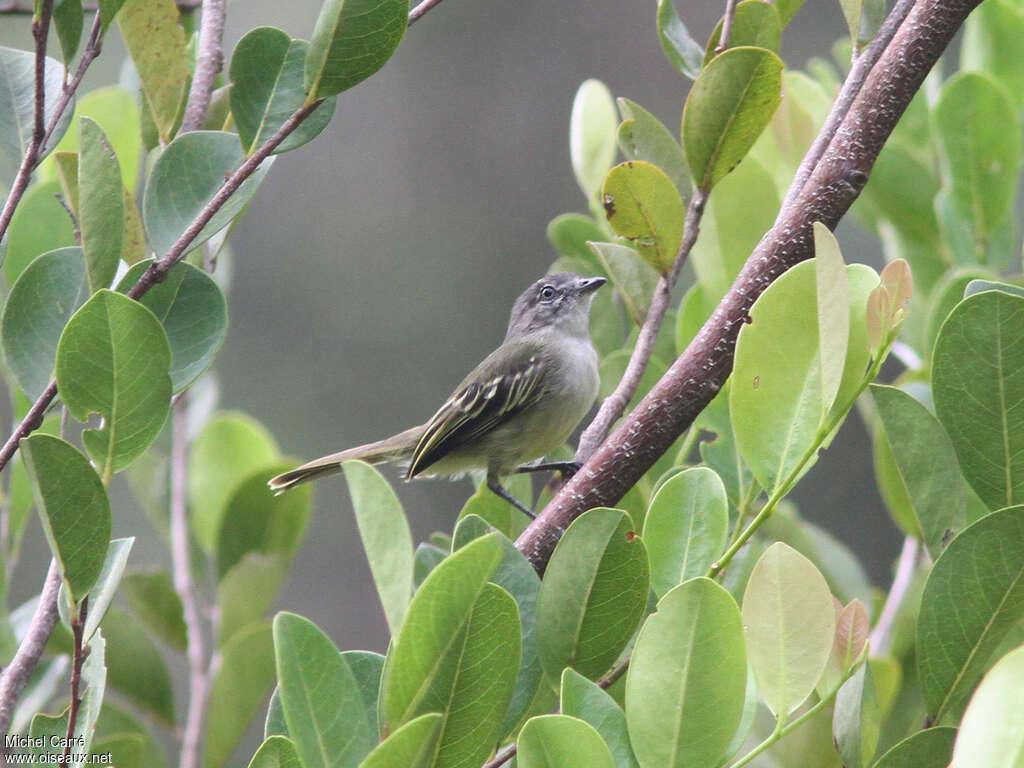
x=699, y=373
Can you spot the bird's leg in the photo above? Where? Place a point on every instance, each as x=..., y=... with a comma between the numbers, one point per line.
x=567, y=468
x=495, y=485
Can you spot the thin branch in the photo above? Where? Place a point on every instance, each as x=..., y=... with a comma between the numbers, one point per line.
x=420, y=10
x=881, y=635
x=34, y=152
x=700, y=372
x=16, y=674
x=727, y=20
x=614, y=405
x=199, y=684
x=503, y=756
x=859, y=71
x=209, y=63
x=78, y=658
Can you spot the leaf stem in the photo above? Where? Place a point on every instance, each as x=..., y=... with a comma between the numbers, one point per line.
x=615, y=404
x=784, y=729
x=727, y=20
x=881, y=636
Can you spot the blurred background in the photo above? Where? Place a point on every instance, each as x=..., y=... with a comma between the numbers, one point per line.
x=378, y=264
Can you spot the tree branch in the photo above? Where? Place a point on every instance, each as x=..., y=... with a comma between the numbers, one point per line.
x=613, y=406
x=198, y=680
x=881, y=635
x=16, y=674
x=208, y=64
x=420, y=10
x=80, y=651
x=727, y=20
x=700, y=372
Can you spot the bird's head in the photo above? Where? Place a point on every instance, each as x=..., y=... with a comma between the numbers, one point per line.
x=558, y=302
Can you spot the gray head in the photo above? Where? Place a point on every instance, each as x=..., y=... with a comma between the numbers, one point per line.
x=559, y=302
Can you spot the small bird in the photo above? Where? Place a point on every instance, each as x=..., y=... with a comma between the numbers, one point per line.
x=516, y=406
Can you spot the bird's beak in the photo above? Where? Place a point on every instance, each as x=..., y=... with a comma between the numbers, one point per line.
x=590, y=284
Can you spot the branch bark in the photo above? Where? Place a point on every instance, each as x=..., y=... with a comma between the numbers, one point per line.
x=701, y=371
x=16, y=674
x=208, y=63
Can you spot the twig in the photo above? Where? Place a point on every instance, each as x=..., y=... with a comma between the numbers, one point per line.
x=16, y=674
x=727, y=19
x=612, y=677
x=34, y=151
x=699, y=373
x=208, y=63
x=859, y=71
x=503, y=756
x=74, y=219
x=198, y=681
x=613, y=406
x=881, y=635
x=78, y=658
x=420, y=10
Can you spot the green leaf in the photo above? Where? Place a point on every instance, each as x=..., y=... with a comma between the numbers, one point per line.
x=986, y=36
x=978, y=384
x=729, y=105
x=789, y=622
x=642, y=204
x=781, y=389
x=990, y=732
x=113, y=359
x=945, y=296
x=230, y=446
x=101, y=203
x=982, y=285
x=686, y=527
x=255, y=520
x=592, y=130
x=487, y=505
x=687, y=678
x=321, y=700
x=593, y=594
x=411, y=746
x=156, y=44
x=108, y=10
x=267, y=73
x=238, y=691
x=185, y=178
x=39, y=225
x=554, y=741
x=246, y=592
x=755, y=23
x=386, y=538
x=276, y=752
x=613, y=367
x=68, y=18
x=352, y=40
x=46, y=295
x=106, y=585
x=570, y=233
x=423, y=660
x=978, y=128
x=426, y=559
x=682, y=50
x=924, y=457
x=156, y=604
x=856, y=720
x=116, y=112
x=643, y=137
x=114, y=723
x=589, y=702
x=192, y=309
x=788, y=9
x=275, y=724
x=720, y=453
x=17, y=107
x=516, y=576
x=932, y=748
x=833, y=301
x=634, y=279
x=740, y=209
x=974, y=595
x=367, y=668
x=93, y=685
x=73, y=509
x=135, y=666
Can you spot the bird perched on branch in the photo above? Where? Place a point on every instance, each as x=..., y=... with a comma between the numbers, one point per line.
x=519, y=404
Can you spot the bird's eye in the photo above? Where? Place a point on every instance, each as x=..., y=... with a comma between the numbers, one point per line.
x=547, y=293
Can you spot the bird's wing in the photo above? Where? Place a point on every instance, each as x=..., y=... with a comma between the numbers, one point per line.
x=509, y=380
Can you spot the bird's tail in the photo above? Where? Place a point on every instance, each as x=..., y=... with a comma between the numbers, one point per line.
x=394, y=448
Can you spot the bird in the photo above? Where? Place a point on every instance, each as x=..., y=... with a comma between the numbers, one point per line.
x=515, y=407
